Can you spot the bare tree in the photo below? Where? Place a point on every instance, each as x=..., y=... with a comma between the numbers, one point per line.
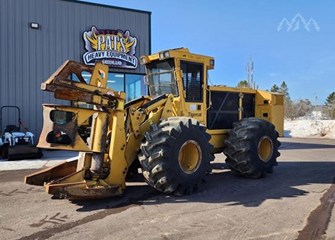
x=300, y=108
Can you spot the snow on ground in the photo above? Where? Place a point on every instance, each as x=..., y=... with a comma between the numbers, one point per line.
x=310, y=128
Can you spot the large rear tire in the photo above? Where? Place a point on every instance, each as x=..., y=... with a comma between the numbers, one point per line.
x=252, y=147
x=176, y=155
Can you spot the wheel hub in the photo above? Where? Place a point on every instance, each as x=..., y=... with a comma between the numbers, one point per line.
x=190, y=157
x=265, y=148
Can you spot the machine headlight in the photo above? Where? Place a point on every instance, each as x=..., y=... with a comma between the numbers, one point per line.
x=143, y=60
x=167, y=54
x=164, y=55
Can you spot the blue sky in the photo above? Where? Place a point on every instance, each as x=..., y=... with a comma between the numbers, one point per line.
x=232, y=31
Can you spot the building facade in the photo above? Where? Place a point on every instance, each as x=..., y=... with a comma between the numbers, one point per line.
x=37, y=36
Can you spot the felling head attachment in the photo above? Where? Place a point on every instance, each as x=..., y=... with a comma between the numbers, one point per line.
x=87, y=129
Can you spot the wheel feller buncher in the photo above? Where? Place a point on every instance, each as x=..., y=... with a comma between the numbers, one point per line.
x=173, y=133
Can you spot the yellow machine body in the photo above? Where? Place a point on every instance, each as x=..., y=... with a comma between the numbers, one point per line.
x=115, y=129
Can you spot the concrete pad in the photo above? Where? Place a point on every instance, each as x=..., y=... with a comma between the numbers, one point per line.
x=49, y=158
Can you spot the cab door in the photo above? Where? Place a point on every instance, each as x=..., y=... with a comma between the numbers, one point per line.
x=193, y=82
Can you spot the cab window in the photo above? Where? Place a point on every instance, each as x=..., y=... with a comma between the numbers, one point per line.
x=192, y=80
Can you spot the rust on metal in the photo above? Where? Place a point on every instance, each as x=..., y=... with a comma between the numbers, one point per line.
x=46, y=175
x=93, y=92
x=90, y=175
x=80, y=190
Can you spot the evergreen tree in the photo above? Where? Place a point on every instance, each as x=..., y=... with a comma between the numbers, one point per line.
x=330, y=99
x=284, y=90
x=243, y=84
x=330, y=105
x=275, y=88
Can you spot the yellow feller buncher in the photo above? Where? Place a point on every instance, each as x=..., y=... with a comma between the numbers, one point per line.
x=173, y=133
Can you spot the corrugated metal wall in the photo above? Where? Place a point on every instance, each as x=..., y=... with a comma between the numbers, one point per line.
x=29, y=56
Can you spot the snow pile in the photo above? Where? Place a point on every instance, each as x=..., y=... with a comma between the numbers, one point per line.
x=309, y=128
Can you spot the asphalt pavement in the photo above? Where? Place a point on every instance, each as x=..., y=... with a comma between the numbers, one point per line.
x=296, y=201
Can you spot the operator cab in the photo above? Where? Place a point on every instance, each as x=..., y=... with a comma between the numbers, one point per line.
x=183, y=74
x=164, y=69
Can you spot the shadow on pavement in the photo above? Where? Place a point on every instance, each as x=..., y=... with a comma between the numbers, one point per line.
x=226, y=187
x=295, y=146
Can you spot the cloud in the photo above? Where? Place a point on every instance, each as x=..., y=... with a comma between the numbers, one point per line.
x=273, y=74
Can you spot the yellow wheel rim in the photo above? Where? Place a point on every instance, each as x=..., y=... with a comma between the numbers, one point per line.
x=189, y=157
x=265, y=149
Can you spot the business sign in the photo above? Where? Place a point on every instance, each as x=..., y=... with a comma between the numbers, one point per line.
x=115, y=48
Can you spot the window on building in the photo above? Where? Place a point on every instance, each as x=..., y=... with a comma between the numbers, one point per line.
x=85, y=75
x=116, y=81
x=134, y=86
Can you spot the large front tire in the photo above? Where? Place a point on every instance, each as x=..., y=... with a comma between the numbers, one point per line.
x=176, y=155
x=252, y=147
